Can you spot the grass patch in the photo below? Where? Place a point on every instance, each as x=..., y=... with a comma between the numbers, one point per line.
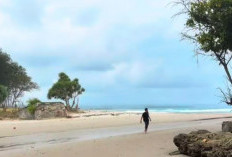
x=10, y=113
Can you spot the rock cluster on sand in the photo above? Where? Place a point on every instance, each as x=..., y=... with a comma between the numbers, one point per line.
x=227, y=126
x=203, y=143
x=50, y=110
x=44, y=111
x=25, y=114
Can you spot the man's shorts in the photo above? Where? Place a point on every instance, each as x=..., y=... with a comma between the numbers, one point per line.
x=146, y=124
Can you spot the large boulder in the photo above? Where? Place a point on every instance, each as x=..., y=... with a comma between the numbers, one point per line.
x=25, y=114
x=227, y=126
x=50, y=110
x=205, y=144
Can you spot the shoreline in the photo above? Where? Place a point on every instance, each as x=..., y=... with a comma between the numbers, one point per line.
x=168, y=110
x=117, y=112
x=97, y=119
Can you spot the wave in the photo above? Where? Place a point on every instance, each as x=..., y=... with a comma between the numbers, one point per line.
x=226, y=110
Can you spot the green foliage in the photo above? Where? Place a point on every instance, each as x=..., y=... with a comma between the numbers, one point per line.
x=15, y=78
x=3, y=93
x=32, y=105
x=212, y=20
x=65, y=89
x=19, y=80
x=209, y=26
x=5, y=62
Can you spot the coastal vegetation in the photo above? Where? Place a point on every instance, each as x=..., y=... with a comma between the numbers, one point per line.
x=31, y=107
x=67, y=90
x=14, y=82
x=209, y=27
x=9, y=113
x=3, y=93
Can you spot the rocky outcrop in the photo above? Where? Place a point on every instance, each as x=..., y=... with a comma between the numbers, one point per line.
x=203, y=143
x=227, y=126
x=50, y=110
x=25, y=114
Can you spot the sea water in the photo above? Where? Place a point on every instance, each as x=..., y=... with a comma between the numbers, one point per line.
x=162, y=108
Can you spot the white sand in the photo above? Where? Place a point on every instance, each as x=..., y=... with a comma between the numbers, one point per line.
x=101, y=136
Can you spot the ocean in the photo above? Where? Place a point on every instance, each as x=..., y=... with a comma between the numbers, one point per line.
x=162, y=108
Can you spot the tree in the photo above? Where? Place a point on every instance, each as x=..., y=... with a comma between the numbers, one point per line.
x=19, y=83
x=209, y=26
x=3, y=93
x=66, y=90
x=15, y=78
x=5, y=62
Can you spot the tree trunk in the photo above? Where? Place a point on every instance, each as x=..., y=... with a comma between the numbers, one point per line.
x=68, y=108
x=224, y=63
x=4, y=108
x=74, y=101
x=67, y=105
x=227, y=73
x=77, y=106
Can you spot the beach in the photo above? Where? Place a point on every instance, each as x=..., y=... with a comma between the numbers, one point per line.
x=103, y=134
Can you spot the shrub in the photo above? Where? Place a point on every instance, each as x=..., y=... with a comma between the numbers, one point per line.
x=10, y=113
x=32, y=105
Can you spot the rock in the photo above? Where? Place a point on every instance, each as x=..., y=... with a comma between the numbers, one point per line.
x=200, y=132
x=50, y=110
x=203, y=143
x=174, y=153
x=227, y=126
x=25, y=114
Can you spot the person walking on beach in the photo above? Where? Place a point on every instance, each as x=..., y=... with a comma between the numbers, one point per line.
x=145, y=117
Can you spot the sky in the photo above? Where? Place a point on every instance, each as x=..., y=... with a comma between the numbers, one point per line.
x=123, y=52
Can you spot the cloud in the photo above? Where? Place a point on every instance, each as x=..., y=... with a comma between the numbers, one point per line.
x=42, y=61
x=61, y=24
x=94, y=67
x=154, y=74
x=112, y=46
x=26, y=14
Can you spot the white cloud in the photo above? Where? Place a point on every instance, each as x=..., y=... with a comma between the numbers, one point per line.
x=57, y=29
x=98, y=41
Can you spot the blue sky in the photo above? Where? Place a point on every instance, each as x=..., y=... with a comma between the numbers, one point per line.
x=123, y=52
